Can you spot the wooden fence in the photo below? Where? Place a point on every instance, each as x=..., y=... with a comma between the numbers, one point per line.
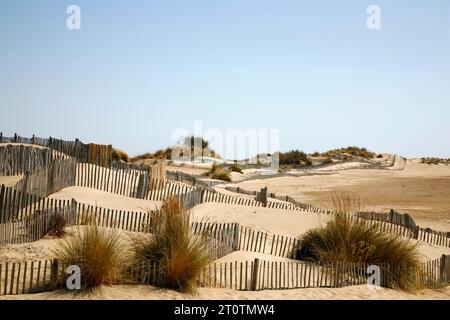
x=192, y=180
x=44, y=275
x=90, y=153
x=226, y=238
x=290, y=203
x=261, y=274
x=223, y=237
x=432, y=237
x=127, y=182
x=16, y=204
x=394, y=217
x=18, y=159
x=28, y=277
x=99, y=154
x=57, y=175
x=32, y=223
x=75, y=148
x=393, y=222
x=36, y=226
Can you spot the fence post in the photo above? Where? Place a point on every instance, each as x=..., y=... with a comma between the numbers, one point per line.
x=416, y=232
x=54, y=273
x=255, y=275
x=202, y=195
x=262, y=196
x=73, y=212
x=445, y=268
x=391, y=216
x=236, y=237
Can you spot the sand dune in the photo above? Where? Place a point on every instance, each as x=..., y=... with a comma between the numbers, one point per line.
x=104, y=199
x=420, y=190
x=277, y=221
x=139, y=292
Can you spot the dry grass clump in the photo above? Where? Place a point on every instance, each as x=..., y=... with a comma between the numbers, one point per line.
x=351, y=241
x=180, y=255
x=294, y=158
x=159, y=154
x=327, y=160
x=219, y=173
x=235, y=168
x=197, y=147
x=163, y=154
x=120, y=155
x=352, y=150
x=56, y=226
x=345, y=203
x=98, y=252
x=432, y=160
x=143, y=156
x=222, y=175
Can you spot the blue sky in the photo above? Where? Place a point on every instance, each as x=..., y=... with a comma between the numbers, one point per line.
x=137, y=70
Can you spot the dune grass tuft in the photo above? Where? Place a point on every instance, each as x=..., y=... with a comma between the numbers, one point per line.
x=352, y=150
x=351, y=241
x=180, y=254
x=235, y=168
x=327, y=160
x=219, y=173
x=98, y=252
x=120, y=155
x=294, y=158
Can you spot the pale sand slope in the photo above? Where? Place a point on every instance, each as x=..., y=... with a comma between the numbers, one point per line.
x=420, y=190
x=135, y=292
x=277, y=221
x=221, y=189
x=335, y=167
x=430, y=251
x=187, y=169
x=246, y=174
x=105, y=199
